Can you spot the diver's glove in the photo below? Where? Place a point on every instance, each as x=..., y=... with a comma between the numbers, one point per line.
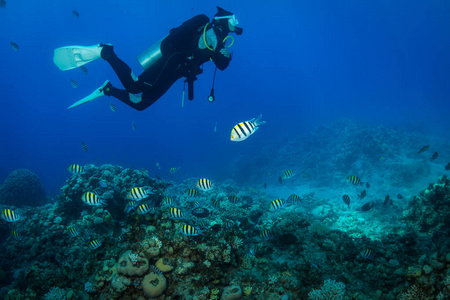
x=225, y=52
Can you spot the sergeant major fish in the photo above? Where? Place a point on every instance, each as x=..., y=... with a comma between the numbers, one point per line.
x=138, y=194
x=204, y=184
x=75, y=169
x=189, y=230
x=92, y=199
x=245, y=129
x=9, y=215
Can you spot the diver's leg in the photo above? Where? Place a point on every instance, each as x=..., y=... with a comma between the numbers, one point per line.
x=134, y=101
x=122, y=70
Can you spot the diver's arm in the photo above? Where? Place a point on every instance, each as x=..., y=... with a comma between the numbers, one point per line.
x=221, y=58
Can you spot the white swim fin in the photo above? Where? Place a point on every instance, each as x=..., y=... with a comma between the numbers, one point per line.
x=71, y=57
x=94, y=95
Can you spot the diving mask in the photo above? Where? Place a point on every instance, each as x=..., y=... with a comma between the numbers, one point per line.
x=232, y=23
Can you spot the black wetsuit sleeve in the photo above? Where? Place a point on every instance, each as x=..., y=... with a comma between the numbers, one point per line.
x=220, y=60
x=180, y=37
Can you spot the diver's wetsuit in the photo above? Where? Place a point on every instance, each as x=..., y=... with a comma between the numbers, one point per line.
x=181, y=57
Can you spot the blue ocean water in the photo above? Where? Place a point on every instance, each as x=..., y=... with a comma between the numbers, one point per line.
x=346, y=88
x=299, y=64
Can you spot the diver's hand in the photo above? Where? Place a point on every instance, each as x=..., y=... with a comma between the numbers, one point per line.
x=225, y=52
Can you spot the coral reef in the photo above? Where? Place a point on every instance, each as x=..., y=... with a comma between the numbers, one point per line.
x=22, y=188
x=147, y=256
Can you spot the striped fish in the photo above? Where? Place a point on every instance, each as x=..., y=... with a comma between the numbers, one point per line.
x=84, y=70
x=73, y=231
x=133, y=126
x=74, y=83
x=288, y=174
x=175, y=213
x=112, y=107
x=188, y=230
x=138, y=194
x=130, y=206
x=367, y=254
x=75, y=169
x=192, y=193
x=95, y=244
x=215, y=203
x=354, y=180
x=204, y=184
x=266, y=234
x=9, y=215
x=204, y=224
x=87, y=233
x=144, y=208
x=84, y=147
x=294, y=198
x=346, y=199
x=233, y=199
x=92, y=199
x=167, y=201
x=16, y=235
x=245, y=129
x=277, y=204
x=198, y=204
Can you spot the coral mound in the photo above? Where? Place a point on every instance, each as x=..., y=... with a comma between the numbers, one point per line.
x=154, y=285
x=22, y=188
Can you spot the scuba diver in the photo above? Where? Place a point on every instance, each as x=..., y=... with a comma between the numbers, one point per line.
x=180, y=54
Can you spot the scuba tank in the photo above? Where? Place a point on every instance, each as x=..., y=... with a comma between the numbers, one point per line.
x=150, y=55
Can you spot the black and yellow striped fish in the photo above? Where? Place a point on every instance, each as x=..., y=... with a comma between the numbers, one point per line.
x=73, y=231
x=215, y=203
x=95, y=244
x=294, y=198
x=9, y=215
x=367, y=254
x=346, y=199
x=245, y=129
x=167, y=201
x=138, y=194
x=92, y=199
x=192, y=193
x=75, y=169
x=288, y=174
x=354, y=180
x=204, y=184
x=84, y=147
x=16, y=235
x=277, y=204
x=266, y=234
x=188, y=230
x=233, y=199
x=175, y=213
x=144, y=208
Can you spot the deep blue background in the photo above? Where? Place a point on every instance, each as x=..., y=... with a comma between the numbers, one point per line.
x=300, y=65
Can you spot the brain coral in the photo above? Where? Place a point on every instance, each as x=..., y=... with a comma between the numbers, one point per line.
x=154, y=285
x=22, y=188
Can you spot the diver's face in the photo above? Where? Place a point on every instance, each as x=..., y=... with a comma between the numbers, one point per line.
x=232, y=23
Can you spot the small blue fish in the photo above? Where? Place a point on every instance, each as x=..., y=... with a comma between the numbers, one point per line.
x=102, y=183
